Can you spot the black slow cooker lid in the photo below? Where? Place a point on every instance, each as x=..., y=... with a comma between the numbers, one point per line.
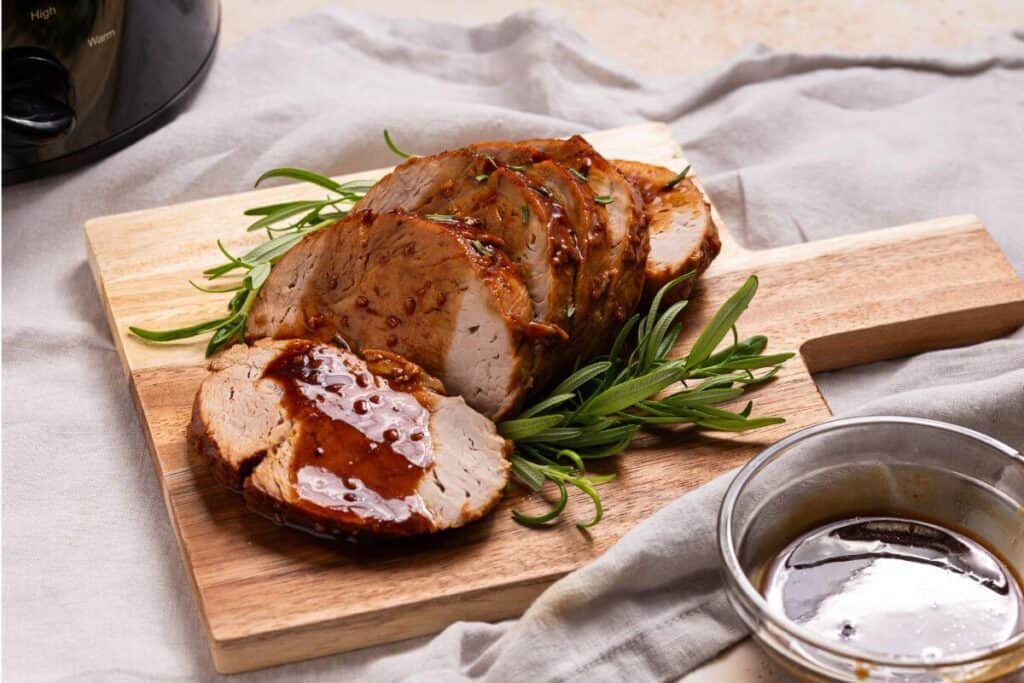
x=83, y=78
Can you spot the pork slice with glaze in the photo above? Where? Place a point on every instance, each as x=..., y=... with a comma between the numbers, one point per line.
x=621, y=209
x=434, y=291
x=587, y=223
x=324, y=440
x=683, y=232
x=500, y=203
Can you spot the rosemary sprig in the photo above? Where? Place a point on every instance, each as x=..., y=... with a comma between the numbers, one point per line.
x=595, y=412
x=285, y=224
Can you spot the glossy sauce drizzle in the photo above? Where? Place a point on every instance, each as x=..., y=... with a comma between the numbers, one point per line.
x=361, y=447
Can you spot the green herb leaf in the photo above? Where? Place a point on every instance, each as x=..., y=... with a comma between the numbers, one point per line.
x=526, y=214
x=748, y=347
x=357, y=188
x=272, y=208
x=217, y=290
x=481, y=248
x=524, y=428
x=257, y=276
x=651, y=349
x=583, y=485
x=755, y=362
x=678, y=179
x=603, y=437
x=547, y=404
x=579, y=176
x=281, y=214
x=554, y=435
x=393, y=147
x=726, y=425
x=721, y=323
x=581, y=377
x=624, y=395
x=527, y=472
x=179, y=333
x=300, y=174
x=604, y=199
x=571, y=456
x=556, y=510
x=231, y=259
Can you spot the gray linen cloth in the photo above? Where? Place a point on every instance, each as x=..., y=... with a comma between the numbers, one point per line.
x=791, y=147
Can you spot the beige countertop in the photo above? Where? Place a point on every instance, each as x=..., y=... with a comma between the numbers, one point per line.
x=684, y=36
x=687, y=36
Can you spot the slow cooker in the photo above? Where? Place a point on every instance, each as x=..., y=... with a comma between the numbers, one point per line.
x=84, y=78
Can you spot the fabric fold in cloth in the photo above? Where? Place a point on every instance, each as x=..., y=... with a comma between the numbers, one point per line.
x=790, y=147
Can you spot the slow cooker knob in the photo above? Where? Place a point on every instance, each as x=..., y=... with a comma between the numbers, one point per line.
x=36, y=97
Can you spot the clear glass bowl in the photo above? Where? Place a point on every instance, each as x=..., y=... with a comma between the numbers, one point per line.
x=892, y=466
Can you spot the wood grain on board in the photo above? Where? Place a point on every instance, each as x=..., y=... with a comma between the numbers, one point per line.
x=269, y=595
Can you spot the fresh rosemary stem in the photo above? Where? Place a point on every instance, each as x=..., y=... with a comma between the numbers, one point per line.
x=285, y=224
x=595, y=412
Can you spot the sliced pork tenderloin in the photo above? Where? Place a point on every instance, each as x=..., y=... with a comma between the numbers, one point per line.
x=588, y=223
x=531, y=228
x=235, y=419
x=437, y=292
x=344, y=445
x=683, y=232
x=621, y=210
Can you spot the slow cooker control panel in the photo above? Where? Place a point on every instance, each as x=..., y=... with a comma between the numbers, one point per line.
x=37, y=97
x=82, y=78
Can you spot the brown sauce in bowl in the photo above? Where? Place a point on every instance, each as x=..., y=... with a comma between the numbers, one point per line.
x=360, y=445
x=896, y=587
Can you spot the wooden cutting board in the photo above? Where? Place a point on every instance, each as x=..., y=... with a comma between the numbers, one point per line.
x=269, y=595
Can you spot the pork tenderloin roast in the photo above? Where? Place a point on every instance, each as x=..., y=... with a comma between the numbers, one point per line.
x=500, y=202
x=594, y=273
x=491, y=268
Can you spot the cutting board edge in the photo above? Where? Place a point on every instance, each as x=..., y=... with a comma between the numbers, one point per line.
x=751, y=259
x=96, y=268
x=980, y=324
x=172, y=513
x=241, y=653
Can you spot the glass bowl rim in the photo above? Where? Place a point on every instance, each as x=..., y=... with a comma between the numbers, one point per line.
x=735, y=573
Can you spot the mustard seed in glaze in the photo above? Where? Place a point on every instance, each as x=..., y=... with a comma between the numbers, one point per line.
x=352, y=459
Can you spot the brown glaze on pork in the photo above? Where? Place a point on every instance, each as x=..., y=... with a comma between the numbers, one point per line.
x=348, y=451
x=589, y=226
x=683, y=233
x=438, y=292
x=531, y=228
x=621, y=211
